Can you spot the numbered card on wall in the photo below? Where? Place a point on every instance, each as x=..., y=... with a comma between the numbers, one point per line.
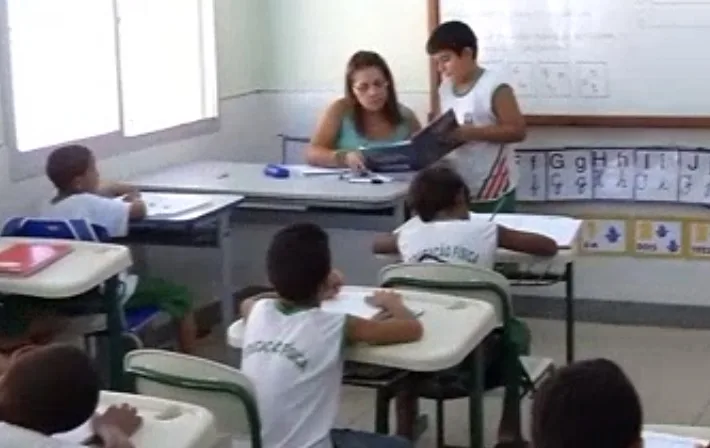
x=569, y=175
x=532, y=183
x=613, y=173
x=658, y=237
x=694, y=176
x=604, y=236
x=657, y=175
x=698, y=239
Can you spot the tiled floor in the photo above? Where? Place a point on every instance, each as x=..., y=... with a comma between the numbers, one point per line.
x=670, y=367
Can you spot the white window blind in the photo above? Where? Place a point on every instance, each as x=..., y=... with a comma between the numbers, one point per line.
x=85, y=68
x=63, y=69
x=167, y=60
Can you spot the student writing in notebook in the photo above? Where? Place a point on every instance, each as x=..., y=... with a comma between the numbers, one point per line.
x=368, y=114
x=488, y=114
x=293, y=350
x=55, y=389
x=80, y=195
x=443, y=230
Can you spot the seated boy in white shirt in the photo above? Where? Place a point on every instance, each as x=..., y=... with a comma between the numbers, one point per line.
x=80, y=195
x=444, y=230
x=293, y=350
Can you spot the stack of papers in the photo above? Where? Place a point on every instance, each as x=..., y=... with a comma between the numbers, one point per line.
x=355, y=304
x=659, y=440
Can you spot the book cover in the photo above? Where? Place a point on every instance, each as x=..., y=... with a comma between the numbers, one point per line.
x=23, y=259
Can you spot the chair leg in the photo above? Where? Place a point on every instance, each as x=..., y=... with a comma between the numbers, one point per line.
x=440, y=423
x=382, y=412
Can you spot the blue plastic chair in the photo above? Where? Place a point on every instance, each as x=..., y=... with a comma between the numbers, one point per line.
x=81, y=230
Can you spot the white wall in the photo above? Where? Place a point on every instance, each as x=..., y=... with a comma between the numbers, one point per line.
x=296, y=51
x=311, y=41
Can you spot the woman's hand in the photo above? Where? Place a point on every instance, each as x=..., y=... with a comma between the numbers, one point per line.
x=355, y=161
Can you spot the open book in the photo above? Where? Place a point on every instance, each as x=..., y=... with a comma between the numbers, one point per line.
x=355, y=304
x=660, y=440
x=426, y=147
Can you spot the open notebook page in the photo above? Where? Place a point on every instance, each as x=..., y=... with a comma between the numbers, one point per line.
x=562, y=229
x=660, y=440
x=354, y=304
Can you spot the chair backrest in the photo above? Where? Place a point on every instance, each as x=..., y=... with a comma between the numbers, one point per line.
x=454, y=279
x=293, y=149
x=66, y=229
x=223, y=390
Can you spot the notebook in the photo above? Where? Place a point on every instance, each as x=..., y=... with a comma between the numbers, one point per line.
x=426, y=147
x=309, y=170
x=163, y=205
x=562, y=229
x=355, y=304
x=24, y=259
x=660, y=440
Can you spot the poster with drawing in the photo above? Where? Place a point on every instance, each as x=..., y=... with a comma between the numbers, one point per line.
x=656, y=175
x=613, y=173
x=569, y=175
x=604, y=236
x=532, y=181
x=658, y=237
x=694, y=176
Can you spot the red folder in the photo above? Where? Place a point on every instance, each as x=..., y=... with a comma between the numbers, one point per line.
x=24, y=259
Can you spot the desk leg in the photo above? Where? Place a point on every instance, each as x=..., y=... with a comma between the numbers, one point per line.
x=569, y=301
x=224, y=244
x=475, y=399
x=114, y=327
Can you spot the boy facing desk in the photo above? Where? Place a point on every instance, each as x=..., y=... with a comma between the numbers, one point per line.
x=443, y=230
x=293, y=350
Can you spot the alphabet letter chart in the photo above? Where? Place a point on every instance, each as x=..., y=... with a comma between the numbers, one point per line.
x=644, y=174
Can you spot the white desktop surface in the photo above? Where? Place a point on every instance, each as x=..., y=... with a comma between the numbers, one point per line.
x=166, y=423
x=220, y=177
x=696, y=432
x=86, y=266
x=453, y=328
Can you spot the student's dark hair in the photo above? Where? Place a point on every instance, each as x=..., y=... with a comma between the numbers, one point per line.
x=50, y=390
x=453, y=36
x=298, y=262
x=391, y=111
x=589, y=404
x=67, y=163
x=434, y=190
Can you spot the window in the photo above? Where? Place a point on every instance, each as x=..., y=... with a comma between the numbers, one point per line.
x=107, y=71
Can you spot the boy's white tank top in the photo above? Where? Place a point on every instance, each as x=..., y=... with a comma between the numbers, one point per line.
x=489, y=169
x=294, y=358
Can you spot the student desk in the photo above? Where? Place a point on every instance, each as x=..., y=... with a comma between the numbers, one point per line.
x=541, y=271
x=453, y=328
x=206, y=226
x=166, y=423
x=695, y=432
x=349, y=212
x=73, y=282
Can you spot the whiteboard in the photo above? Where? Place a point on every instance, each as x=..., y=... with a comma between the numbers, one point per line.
x=595, y=57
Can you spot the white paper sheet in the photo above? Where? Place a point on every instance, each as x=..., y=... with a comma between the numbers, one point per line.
x=165, y=205
x=354, y=304
x=562, y=229
x=309, y=170
x=659, y=440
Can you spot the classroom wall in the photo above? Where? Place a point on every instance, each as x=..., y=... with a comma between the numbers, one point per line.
x=282, y=61
x=312, y=40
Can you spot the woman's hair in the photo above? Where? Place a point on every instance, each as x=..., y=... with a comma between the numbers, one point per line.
x=366, y=59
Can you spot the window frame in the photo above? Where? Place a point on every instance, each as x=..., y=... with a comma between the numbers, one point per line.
x=24, y=165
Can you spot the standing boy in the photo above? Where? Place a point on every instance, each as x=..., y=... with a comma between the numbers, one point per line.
x=489, y=117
